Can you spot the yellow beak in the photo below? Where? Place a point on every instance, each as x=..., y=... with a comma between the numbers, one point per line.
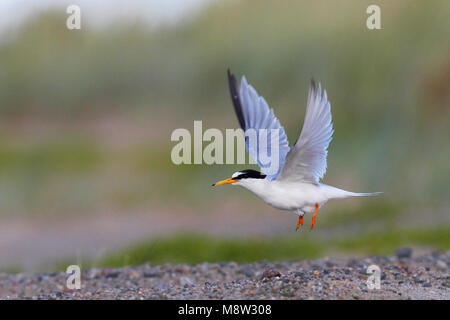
x=226, y=181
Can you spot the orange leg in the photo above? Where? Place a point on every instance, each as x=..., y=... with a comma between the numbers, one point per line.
x=314, y=216
x=299, y=222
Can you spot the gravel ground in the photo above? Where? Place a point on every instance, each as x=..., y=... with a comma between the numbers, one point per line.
x=404, y=276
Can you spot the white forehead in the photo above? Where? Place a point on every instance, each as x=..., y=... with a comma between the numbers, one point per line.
x=236, y=174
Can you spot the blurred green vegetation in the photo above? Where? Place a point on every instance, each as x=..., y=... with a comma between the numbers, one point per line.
x=389, y=91
x=388, y=88
x=194, y=248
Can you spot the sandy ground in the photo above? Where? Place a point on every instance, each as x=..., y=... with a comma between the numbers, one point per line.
x=402, y=277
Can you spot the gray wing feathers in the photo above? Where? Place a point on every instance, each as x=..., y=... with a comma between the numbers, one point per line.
x=307, y=159
x=257, y=115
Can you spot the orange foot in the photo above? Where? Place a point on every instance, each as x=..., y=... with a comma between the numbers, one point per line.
x=299, y=222
x=314, y=216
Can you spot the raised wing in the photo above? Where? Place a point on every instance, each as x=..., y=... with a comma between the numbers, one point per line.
x=254, y=115
x=307, y=159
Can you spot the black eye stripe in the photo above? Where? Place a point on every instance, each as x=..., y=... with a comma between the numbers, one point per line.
x=249, y=173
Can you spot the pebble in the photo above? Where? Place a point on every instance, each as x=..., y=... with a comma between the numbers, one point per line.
x=270, y=273
x=248, y=272
x=151, y=275
x=113, y=274
x=441, y=265
x=185, y=281
x=403, y=253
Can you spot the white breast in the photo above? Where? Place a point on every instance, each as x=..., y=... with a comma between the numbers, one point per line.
x=287, y=195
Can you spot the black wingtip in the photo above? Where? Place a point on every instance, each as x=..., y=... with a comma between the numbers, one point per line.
x=234, y=93
x=313, y=84
x=231, y=77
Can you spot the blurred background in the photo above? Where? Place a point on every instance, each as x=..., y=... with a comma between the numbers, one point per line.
x=86, y=118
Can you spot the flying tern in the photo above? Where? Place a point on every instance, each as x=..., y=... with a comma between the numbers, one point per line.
x=296, y=185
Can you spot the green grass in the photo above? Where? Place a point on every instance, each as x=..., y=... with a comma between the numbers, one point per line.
x=388, y=241
x=13, y=269
x=194, y=248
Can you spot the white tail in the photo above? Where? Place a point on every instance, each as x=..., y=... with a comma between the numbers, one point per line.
x=369, y=194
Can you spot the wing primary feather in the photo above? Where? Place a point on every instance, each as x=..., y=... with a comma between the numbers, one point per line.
x=234, y=92
x=307, y=159
x=253, y=112
x=313, y=85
